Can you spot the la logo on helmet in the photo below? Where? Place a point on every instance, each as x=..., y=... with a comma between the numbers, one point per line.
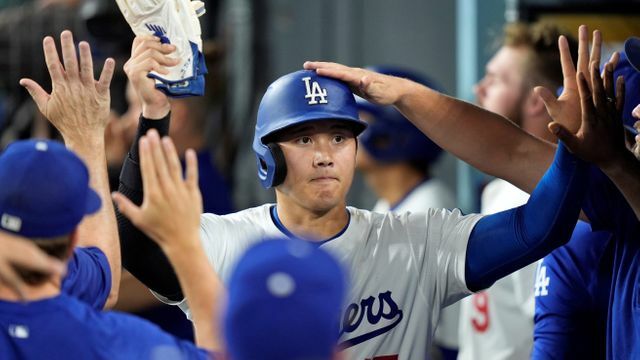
x=314, y=91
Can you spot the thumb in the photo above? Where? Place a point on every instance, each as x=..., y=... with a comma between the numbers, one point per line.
x=547, y=97
x=130, y=210
x=564, y=135
x=39, y=96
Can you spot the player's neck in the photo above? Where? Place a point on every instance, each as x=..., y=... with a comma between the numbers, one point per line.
x=43, y=291
x=308, y=224
x=394, y=183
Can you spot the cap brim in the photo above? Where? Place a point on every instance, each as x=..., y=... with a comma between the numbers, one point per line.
x=93, y=202
x=632, y=49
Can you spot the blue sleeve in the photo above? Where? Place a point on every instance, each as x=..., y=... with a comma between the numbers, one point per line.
x=88, y=277
x=570, y=316
x=604, y=204
x=504, y=242
x=151, y=342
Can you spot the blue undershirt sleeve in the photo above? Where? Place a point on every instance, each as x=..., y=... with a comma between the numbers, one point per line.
x=504, y=242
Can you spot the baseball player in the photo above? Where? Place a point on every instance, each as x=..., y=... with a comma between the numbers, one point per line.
x=396, y=160
x=497, y=323
x=587, y=288
x=574, y=281
x=48, y=191
x=404, y=267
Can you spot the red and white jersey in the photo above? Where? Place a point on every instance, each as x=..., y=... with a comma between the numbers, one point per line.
x=497, y=323
x=403, y=269
x=431, y=194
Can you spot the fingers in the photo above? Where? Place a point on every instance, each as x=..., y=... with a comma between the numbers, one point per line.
x=173, y=162
x=192, y=170
x=583, y=49
x=313, y=65
x=600, y=98
x=39, y=96
x=52, y=60
x=564, y=135
x=547, y=97
x=620, y=94
x=159, y=161
x=106, y=75
x=10, y=278
x=150, y=60
x=130, y=210
x=596, y=47
x=586, y=100
x=636, y=114
x=607, y=77
x=29, y=256
x=568, y=69
x=69, y=56
x=26, y=255
x=86, y=63
x=147, y=168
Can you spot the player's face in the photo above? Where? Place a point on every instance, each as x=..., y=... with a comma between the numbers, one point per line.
x=501, y=90
x=320, y=159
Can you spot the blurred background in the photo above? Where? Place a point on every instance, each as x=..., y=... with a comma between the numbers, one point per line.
x=248, y=44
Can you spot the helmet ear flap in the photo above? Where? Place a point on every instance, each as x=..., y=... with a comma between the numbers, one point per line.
x=280, y=171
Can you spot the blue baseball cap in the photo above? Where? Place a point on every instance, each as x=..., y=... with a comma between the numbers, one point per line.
x=45, y=189
x=285, y=299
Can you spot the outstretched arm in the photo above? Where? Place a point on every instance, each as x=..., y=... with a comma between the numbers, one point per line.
x=486, y=140
x=78, y=107
x=504, y=242
x=170, y=215
x=140, y=255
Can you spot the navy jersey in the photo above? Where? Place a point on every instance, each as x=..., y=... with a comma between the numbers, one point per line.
x=572, y=295
x=71, y=326
x=608, y=210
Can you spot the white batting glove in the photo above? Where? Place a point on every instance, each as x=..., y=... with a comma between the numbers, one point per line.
x=175, y=22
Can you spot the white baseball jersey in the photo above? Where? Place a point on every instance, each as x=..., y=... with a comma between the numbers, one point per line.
x=498, y=323
x=403, y=269
x=431, y=194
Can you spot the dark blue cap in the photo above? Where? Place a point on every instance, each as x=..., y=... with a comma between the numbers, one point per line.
x=44, y=189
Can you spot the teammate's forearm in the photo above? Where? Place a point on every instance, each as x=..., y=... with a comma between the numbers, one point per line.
x=140, y=255
x=100, y=229
x=507, y=241
x=484, y=139
x=203, y=291
x=625, y=174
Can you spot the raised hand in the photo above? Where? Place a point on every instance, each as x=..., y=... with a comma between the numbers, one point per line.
x=566, y=108
x=78, y=105
x=600, y=138
x=377, y=88
x=171, y=208
x=148, y=54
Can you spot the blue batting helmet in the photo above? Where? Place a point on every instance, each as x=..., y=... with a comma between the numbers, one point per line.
x=293, y=99
x=390, y=136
